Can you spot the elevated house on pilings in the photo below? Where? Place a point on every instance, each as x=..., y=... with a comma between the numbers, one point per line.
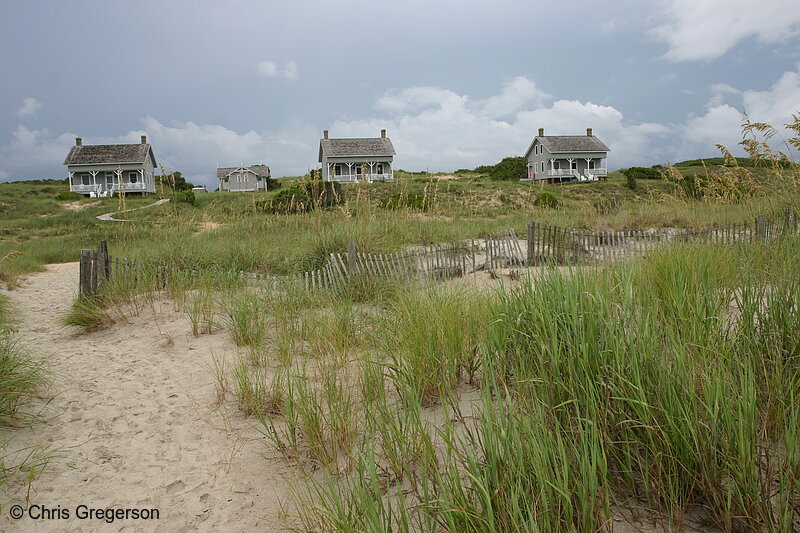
x=104, y=169
x=243, y=179
x=359, y=160
x=557, y=158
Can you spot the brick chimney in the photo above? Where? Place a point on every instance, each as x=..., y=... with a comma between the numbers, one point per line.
x=588, y=132
x=78, y=141
x=541, y=132
x=324, y=134
x=144, y=139
x=383, y=134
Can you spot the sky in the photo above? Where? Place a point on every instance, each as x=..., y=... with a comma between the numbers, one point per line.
x=456, y=83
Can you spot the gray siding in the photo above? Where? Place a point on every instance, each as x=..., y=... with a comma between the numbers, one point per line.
x=536, y=160
x=243, y=181
x=136, y=177
x=329, y=167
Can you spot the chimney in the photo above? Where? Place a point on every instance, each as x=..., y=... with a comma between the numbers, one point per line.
x=588, y=132
x=541, y=132
x=78, y=141
x=383, y=134
x=144, y=139
x=325, y=134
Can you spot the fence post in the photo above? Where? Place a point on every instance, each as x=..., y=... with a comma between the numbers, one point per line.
x=530, y=242
x=85, y=273
x=761, y=227
x=351, y=256
x=103, y=251
x=789, y=220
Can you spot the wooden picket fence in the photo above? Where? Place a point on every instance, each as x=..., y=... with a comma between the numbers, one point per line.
x=545, y=244
x=98, y=267
x=560, y=245
x=437, y=261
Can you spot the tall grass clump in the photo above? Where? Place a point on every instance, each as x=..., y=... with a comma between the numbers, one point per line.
x=433, y=341
x=21, y=375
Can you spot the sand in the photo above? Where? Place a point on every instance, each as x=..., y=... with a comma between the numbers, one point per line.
x=134, y=423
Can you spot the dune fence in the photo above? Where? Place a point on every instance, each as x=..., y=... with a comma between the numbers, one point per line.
x=98, y=267
x=554, y=244
x=545, y=244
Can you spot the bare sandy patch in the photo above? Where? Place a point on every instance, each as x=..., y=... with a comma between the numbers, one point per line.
x=79, y=206
x=134, y=419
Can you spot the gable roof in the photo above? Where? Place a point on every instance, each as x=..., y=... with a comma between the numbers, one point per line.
x=376, y=146
x=258, y=170
x=559, y=144
x=100, y=154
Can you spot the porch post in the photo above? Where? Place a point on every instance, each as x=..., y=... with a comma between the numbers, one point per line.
x=94, y=179
x=371, y=171
x=70, y=179
x=350, y=172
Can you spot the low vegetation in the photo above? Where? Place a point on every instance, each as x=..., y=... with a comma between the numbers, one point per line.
x=666, y=387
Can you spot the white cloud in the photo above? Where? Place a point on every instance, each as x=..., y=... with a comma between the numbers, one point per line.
x=707, y=29
x=719, y=92
x=514, y=96
x=721, y=124
x=267, y=69
x=29, y=107
x=431, y=128
x=290, y=71
x=440, y=129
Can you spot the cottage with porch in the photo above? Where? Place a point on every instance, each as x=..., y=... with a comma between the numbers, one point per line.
x=243, y=179
x=356, y=160
x=557, y=158
x=105, y=169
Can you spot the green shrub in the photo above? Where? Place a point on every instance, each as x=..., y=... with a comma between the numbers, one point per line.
x=185, y=197
x=295, y=199
x=630, y=182
x=510, y=168
x=642, y=173
x=546, y=200
x=607, y=206
x=416, y=202
x=68, y=196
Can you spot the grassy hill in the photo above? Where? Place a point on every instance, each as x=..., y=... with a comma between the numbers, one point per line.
x=417, y=208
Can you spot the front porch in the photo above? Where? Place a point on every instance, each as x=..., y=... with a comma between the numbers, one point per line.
x=106, y=183
x=359, y=172
x=568, y=169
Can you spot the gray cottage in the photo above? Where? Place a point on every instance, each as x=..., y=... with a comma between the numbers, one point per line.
x=243, y=179
x=356, y=160
x=103, y=169
x=557, y=158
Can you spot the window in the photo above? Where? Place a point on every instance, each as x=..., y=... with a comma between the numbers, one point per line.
x=337, y=169
x=556, y=165
x=573, y=165
x=379, y=168
x=133, y=177
x=358, y=170
x=591, y=164
x=85, y=178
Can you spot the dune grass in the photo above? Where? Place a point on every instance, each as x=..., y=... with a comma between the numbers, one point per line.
x=670, y=384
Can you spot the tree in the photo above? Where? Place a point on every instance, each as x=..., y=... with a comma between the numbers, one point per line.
x=510, y=168
x=180, y=182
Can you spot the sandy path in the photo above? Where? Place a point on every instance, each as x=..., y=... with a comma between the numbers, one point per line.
x=134, y=415
x=109, y=217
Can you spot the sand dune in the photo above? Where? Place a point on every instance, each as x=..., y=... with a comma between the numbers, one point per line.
x=133, y=417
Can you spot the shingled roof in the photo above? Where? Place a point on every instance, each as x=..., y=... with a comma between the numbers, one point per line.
x=258, y=170
x=101, y=154
x=375, y=146
x=572, y=143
